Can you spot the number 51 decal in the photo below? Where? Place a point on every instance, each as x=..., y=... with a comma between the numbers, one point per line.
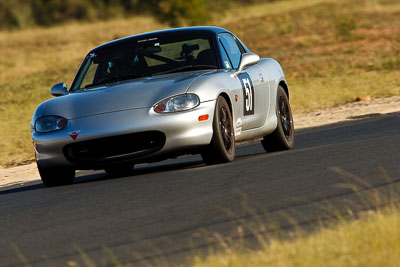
x=248, y=93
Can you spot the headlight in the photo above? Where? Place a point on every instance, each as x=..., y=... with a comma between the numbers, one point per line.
x=177, y=103
x=50, y=123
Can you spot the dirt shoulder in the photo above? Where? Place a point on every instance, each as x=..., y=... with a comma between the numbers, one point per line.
x=349, y=112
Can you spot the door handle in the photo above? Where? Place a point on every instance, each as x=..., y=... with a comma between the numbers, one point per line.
x=261, y=78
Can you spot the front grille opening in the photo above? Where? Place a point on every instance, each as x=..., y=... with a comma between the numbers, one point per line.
x=116, y=147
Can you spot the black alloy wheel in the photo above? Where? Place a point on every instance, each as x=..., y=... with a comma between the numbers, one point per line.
x=283, y=136
x=222, y=146
x=225, y=124
x=285, y=116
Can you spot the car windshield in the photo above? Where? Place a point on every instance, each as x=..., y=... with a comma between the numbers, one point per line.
x=144, y=58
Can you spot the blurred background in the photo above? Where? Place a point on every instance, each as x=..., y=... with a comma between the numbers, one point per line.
x=333, y=51
x=17, y=14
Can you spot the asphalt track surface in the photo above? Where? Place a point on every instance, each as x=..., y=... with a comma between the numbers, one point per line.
x=170, y=211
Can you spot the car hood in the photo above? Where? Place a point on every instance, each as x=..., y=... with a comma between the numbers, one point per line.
x=124, y=95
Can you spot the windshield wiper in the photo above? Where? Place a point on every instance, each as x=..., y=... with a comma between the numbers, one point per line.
x=115, y=78
x=188, y=67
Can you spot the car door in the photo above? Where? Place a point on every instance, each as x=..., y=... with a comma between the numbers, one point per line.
x=252, y=81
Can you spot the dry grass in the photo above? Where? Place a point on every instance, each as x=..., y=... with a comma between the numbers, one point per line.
x=331, y=51
x=373, y=240
x=31, y=61
x=363, y=231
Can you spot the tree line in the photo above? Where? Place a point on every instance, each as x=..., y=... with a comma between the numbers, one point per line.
x=16, y=14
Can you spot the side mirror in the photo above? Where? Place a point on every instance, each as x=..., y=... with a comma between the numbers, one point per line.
x=59, y=89
x=248, y=59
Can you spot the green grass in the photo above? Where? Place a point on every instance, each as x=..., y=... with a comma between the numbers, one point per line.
x=332, y=53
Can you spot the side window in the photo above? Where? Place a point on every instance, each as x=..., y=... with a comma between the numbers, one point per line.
x=90, y=75
x=226, y=61
x=231, y=49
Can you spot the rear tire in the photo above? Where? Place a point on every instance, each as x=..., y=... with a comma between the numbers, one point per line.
x=222, y=146
x=56, y=176
x=120, y=170
x=283, y=136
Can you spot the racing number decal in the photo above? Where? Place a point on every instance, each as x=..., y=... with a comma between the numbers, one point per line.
x=248, y=94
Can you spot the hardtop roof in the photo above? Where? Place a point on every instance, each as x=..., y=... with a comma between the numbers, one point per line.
x=201, y=30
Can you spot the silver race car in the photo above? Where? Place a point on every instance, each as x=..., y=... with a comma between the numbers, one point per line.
x=159, y=95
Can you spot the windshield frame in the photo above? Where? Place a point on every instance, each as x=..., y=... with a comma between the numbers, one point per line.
x=135, y=40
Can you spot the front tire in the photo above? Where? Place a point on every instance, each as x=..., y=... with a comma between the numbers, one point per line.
x=222, y=146
x=120, y=170
x=283, y=136
x=56, y=176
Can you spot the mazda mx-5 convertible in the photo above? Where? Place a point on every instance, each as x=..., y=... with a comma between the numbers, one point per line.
x=159, y=95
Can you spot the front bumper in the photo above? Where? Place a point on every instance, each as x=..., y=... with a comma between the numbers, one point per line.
x=182, y=130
